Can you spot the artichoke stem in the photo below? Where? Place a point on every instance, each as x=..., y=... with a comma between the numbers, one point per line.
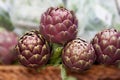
x=56, y=53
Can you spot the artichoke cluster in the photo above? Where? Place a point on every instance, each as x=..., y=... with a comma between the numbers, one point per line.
x=57, y=25
x=60, y=26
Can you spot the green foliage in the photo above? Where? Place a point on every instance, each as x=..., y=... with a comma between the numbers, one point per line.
x=117, y=27
x=1, y=29
x=5, y=20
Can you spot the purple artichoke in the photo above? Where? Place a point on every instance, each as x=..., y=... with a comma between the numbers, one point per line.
x=34, y=51
x=58, y=25
x=107, y=46
x=8, y=40
x=78, y=55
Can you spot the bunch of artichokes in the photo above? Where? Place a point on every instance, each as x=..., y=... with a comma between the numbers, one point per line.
x=59, y=26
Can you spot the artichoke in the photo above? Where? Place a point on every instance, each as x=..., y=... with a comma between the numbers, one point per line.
x=8, y=40
x=78, y=55
x=107, y=46
x=33, y=50
x=58, y=25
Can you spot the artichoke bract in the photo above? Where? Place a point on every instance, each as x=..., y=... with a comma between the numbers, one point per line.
x=34, y=51
x=58, y=25
x=8, y=41
x=78, y=55
x=107, y=46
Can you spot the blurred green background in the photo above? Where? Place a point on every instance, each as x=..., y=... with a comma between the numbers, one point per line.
x=20, y=16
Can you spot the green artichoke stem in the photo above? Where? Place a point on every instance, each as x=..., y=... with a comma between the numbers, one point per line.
x=56, y=54
x=64, y=75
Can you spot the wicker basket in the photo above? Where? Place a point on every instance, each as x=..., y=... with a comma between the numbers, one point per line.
x=53, y=73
